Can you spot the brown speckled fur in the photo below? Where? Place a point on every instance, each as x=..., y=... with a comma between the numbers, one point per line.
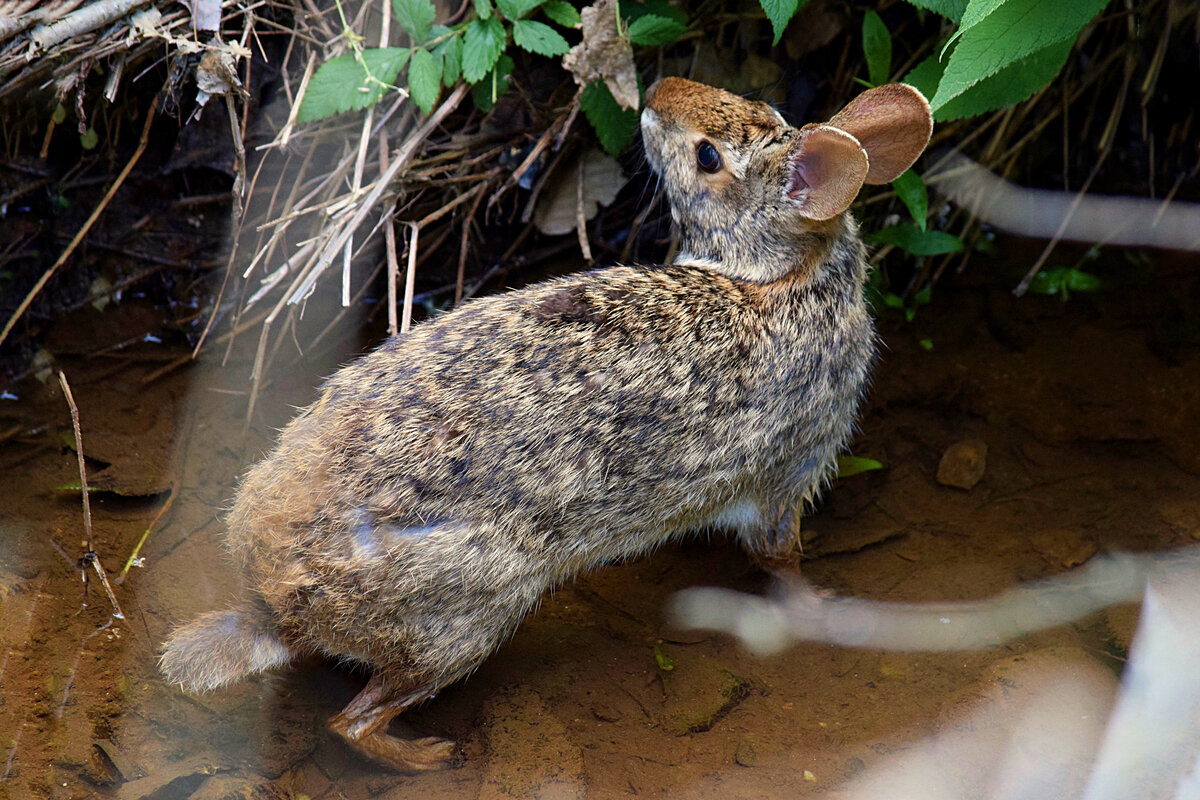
x=412, y=516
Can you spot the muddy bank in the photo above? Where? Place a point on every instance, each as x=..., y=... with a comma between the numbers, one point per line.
x=1091, y=444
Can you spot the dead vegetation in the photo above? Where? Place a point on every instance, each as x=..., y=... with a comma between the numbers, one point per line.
x=448, y=204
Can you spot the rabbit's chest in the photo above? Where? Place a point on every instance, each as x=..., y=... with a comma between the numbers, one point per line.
x=812, y=376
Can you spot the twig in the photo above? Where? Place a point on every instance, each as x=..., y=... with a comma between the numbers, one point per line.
x=581, y=218
x=133, y=556
x=90, y=557
x=87, y=226
x=462, y=250
x=84, y=20
x=410, y=277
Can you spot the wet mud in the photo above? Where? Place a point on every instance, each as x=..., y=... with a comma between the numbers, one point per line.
x=1091, y=446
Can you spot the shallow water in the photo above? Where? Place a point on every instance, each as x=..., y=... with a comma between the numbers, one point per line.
x=1092, y=447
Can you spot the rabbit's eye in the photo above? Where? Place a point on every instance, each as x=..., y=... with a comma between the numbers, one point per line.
x=708, y=158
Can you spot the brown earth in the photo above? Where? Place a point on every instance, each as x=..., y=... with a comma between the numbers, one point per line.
x=1092, y=446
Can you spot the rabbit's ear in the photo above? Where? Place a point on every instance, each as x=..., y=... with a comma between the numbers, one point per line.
x=827, y=167
x=893, y=124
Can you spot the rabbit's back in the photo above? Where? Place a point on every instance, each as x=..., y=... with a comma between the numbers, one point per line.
x=525, y=437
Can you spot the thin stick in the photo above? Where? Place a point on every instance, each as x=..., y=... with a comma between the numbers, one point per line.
x=581, y=218
x=462, y=250
x=389, y=244
x=87, y=226
x=87, y=507
x=90, y=556
x=133, y=557
x=406, y=319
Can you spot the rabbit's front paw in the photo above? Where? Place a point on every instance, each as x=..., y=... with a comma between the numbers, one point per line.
x=779, y=542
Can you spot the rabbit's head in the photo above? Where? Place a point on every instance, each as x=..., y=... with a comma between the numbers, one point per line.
x=757, y=198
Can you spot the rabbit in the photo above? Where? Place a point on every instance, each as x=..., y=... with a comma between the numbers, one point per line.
x=417, y=511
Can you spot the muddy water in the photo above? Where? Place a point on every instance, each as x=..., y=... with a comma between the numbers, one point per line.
x=1092, y=446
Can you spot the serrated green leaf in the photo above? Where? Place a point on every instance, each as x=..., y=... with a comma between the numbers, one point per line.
x=1012, y=84
x=877, y=47
x=493, y=85
x=950, y=9
x=416, y=17
x=1010, y=32
x=451, y=52
x=538, y=37
x=483, y=8
x=652, y=30
x=424, y=78
x=975, y=12
x=912, y=192
x=855, y=465
x=780, y=12
x=614, y=125
x=913, y=240
x=563, y=13
x=341, y=84
x=516, y=9
x=483, y=43
x=926, y=75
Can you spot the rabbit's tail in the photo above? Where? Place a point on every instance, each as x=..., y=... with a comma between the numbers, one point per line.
x=222, y=646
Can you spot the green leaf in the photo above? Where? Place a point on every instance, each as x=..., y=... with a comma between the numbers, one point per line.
x=975, y=12
x=614, y=125
x=911, y=239
x=341, y=84
x=652, y=30
x=780, y=12
x=950, y=9
x=482, y=45
x=632, y=11
x=877, y=47
x=911, y=191
x=451, y=53
x=516, y=9
x=483, y=8
x=493, y=85
x=416, y=17
x=1063, y=280
x=563, y=13
x=424, y=78
x=663, y=659
x=89, y=138
x=1014, y=83
x=538, y=37
x=854, y=465
x=926, y=75
x=999, y=33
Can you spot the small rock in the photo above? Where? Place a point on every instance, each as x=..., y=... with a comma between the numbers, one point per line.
x=605, y=712
x=745, y=754
x=963, y=464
